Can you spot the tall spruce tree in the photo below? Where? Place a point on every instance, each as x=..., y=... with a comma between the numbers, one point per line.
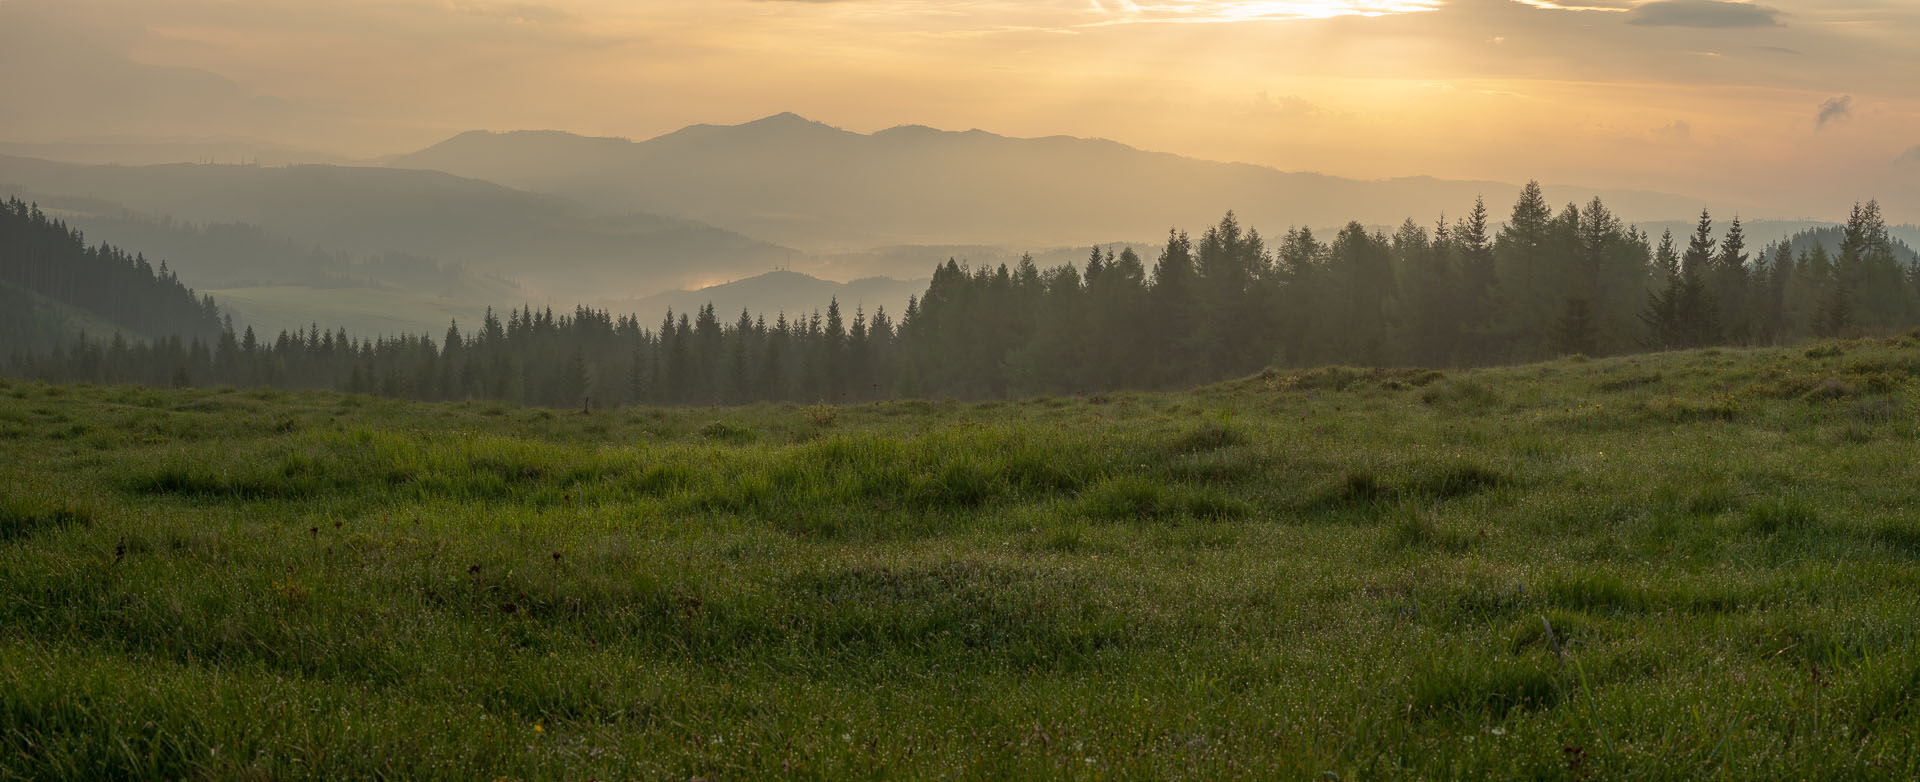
x=1524, y=258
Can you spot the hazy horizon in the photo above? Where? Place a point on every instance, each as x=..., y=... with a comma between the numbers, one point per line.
x=1795, y=106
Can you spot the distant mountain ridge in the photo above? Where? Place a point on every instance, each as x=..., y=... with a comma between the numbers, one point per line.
x=806, y=184
x=146, y=152
x=242, y=255
x=547, y=243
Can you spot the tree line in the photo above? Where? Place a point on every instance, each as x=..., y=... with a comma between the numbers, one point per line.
x=42, y=256
x=1226, y=303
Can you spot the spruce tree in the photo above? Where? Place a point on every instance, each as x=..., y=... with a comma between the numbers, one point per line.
x=741, y=345
x=1524, y=257
x=1697, y=312
x=1430, y=292
x=1870, y=272
x=638, y=390
x=1479, y=281
x=1662, y=313
x=833, y=353
x=1728, y=283
x=1172, y=299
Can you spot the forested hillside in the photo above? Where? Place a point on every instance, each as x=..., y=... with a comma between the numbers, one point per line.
x=1225, y=304
x=56, y=281
x=546, y=243
x=243, y=255
x=31, y=323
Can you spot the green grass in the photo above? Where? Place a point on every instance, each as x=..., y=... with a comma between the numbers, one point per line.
x=361, y=311
x=1681, y=565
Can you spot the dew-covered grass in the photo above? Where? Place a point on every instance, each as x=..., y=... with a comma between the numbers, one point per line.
x=1698, y=564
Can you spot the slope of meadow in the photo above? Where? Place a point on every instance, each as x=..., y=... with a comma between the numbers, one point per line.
x=1670, y=565
x=31, y=322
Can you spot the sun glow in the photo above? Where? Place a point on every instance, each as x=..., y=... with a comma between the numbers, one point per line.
x=1204, y=11
x=1553, y=5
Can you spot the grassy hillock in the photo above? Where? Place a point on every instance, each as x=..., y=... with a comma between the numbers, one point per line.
x=1674, y=565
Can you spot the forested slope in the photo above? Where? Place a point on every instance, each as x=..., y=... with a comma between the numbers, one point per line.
x=1227, y=303
x=53, y=276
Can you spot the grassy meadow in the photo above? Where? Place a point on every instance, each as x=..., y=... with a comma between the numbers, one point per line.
x=361, y=311
x=1682, y=565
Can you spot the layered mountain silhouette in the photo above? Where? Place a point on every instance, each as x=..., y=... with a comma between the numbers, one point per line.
x=146, y=152
x=805, y=184
x=549, y=244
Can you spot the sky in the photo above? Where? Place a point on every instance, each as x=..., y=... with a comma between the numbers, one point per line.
x=1789, y=108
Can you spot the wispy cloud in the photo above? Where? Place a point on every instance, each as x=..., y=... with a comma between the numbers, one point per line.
x=1834, y=110
x=1677, y=130
x=1703, y=13
x=535, y=13
x=1579, y=5
x=1112, y=12
x=1266, y=106
x=1212, y=11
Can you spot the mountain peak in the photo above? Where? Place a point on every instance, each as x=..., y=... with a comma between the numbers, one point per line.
x=928, y=131
x=518, y=140
x=786, y=124
x=786, y=119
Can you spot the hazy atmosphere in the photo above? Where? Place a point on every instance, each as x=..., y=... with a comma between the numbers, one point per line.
x=959, y=389
x=1785, y=109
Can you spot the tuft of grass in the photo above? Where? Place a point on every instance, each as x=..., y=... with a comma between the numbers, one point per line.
x=1123, y=498
x=721, y=431
x=1780, y=515
x=21, y=517
x=1594, y=591
x=959, y=484
x=1331, y=379
x=1480, y=690
x=1456, y=480
x=1461, y=396
x=1438, y=482
x=1209, y=437
x=1139, y=498
x=1711, y=500
x=823, y=415
x=1360, y=487
x=1614, y=385
x=1685, y=411
x=1420, y=532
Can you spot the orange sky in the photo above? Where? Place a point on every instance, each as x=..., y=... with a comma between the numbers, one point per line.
x=1793, y=107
